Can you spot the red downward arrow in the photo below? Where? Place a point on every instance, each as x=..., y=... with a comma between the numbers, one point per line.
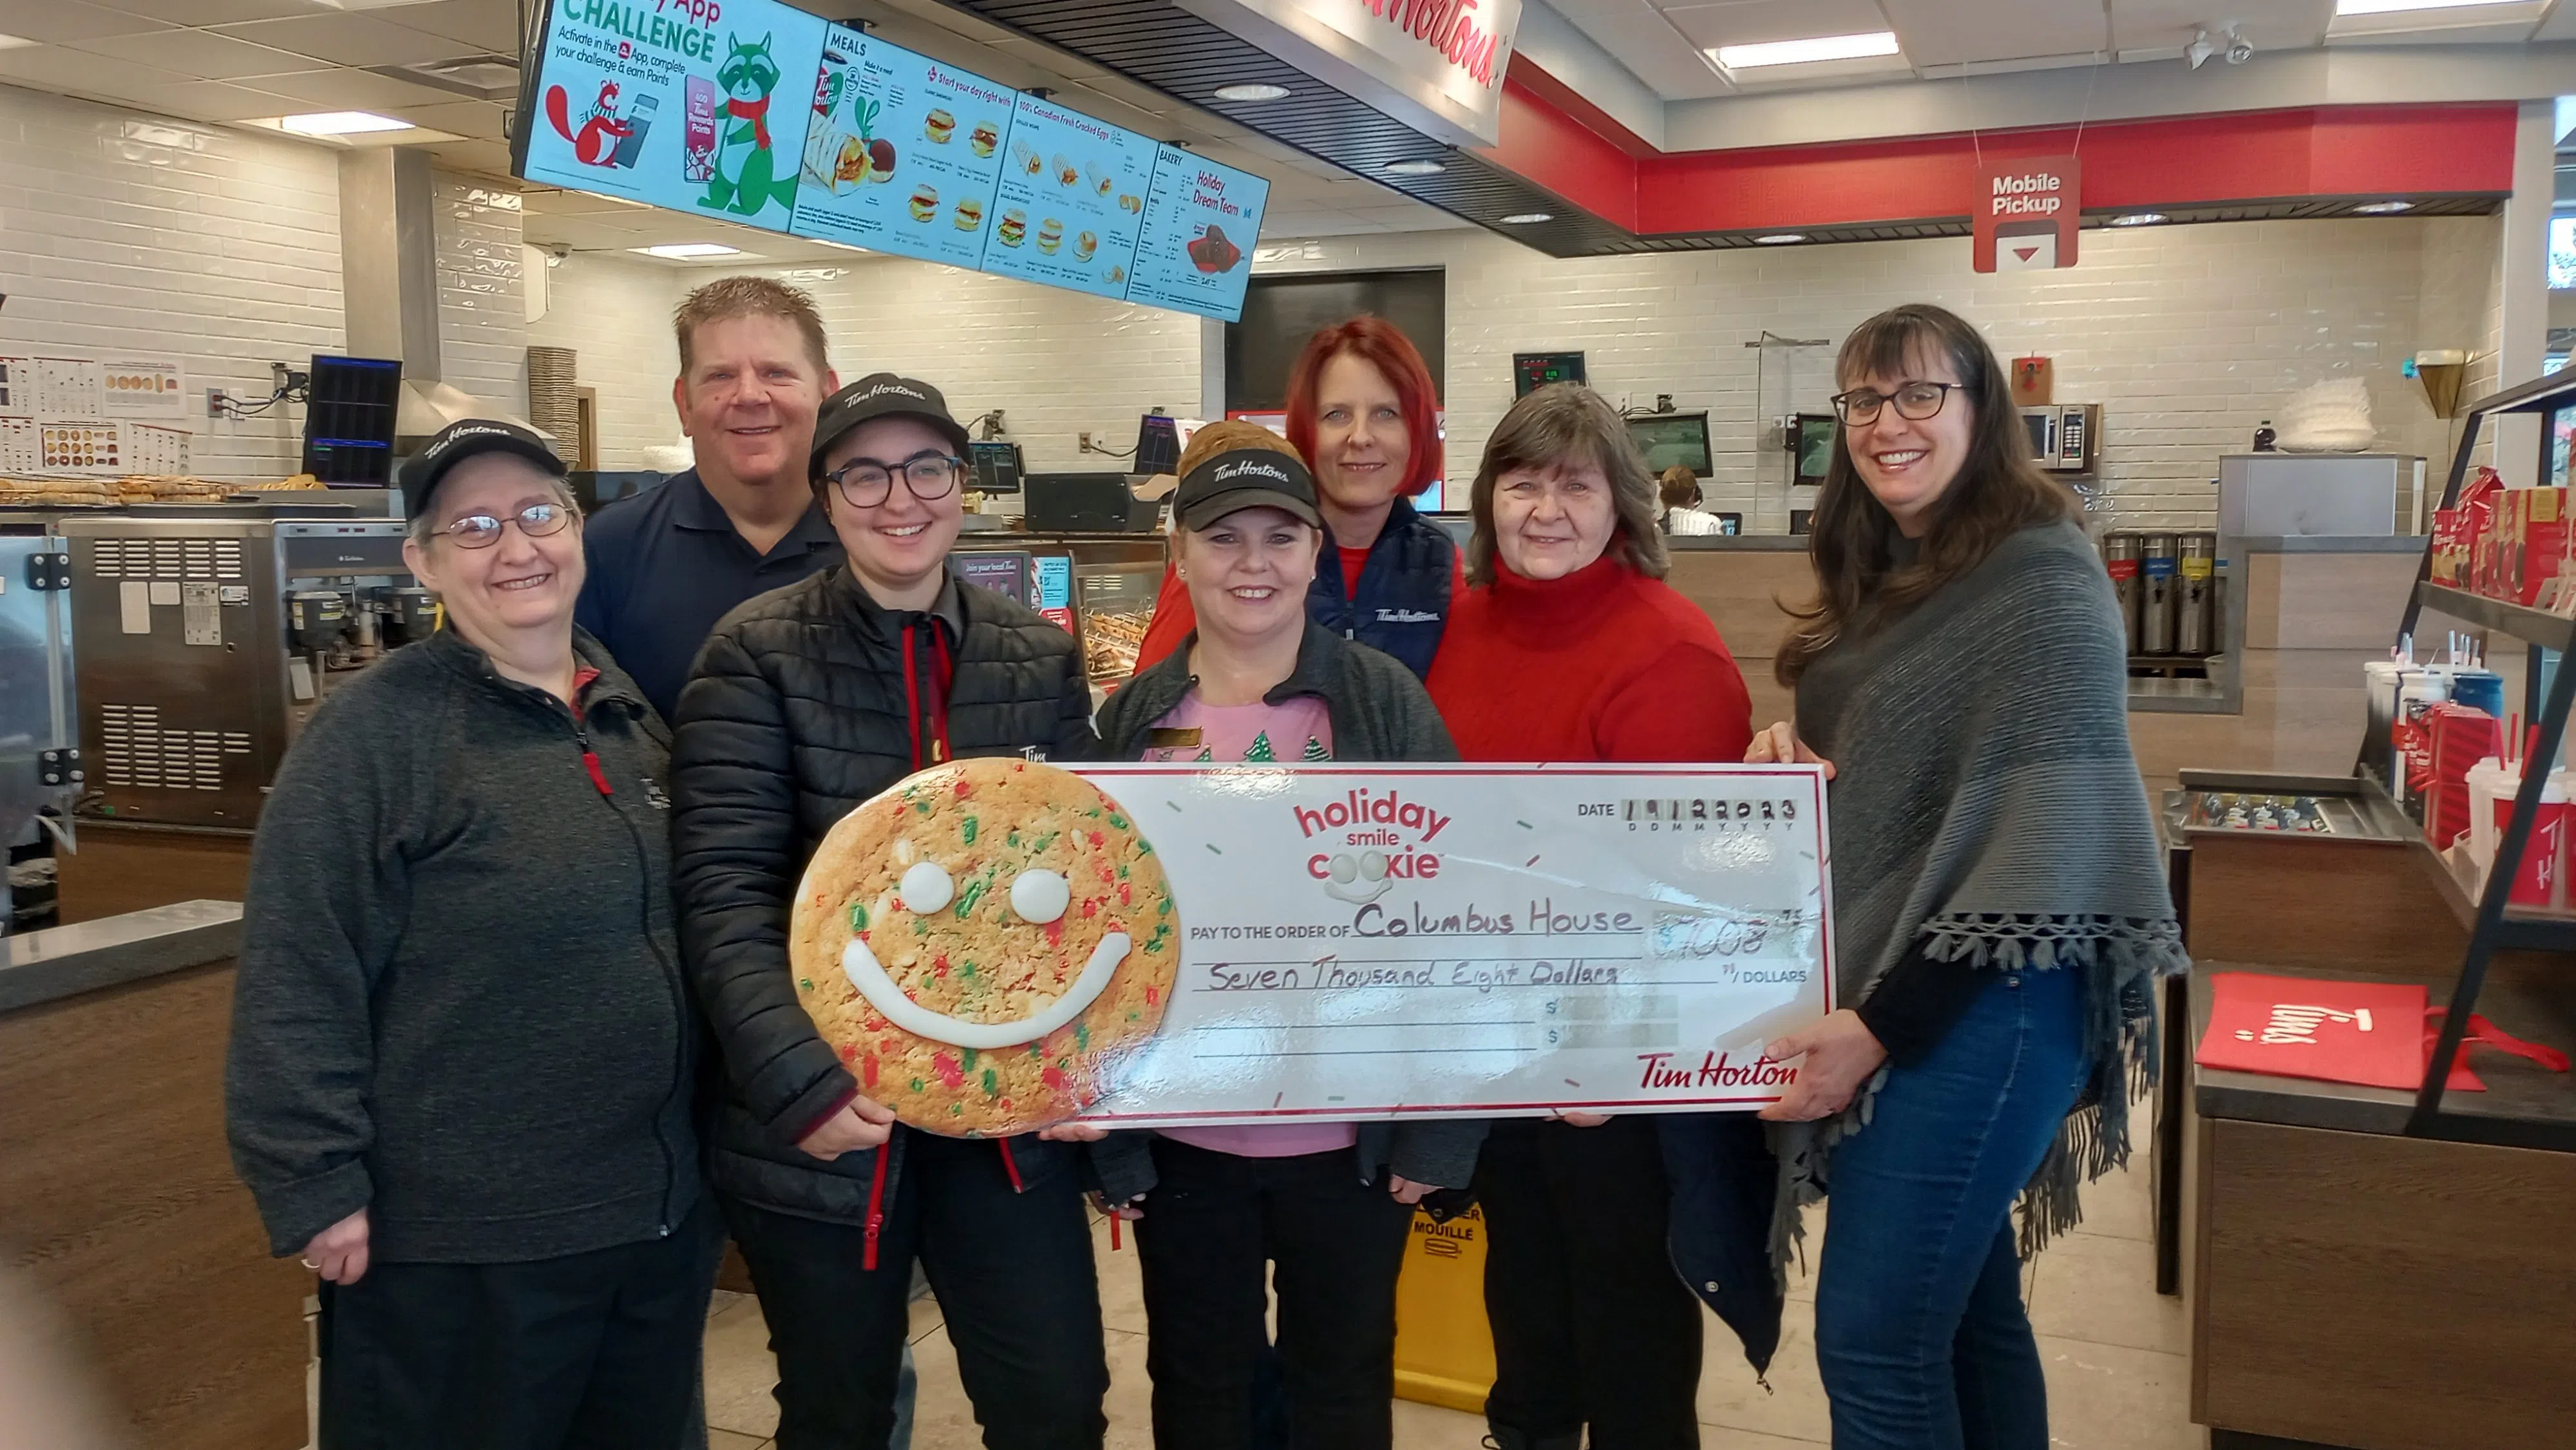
x=2025, y=253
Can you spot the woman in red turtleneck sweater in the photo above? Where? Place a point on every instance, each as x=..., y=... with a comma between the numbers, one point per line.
x=1568, y=646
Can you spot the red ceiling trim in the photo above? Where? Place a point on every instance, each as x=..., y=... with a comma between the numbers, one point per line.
x=1567, y=146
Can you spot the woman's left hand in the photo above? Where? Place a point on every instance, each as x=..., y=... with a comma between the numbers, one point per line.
x=1405, y=1191
x=1841, y=1054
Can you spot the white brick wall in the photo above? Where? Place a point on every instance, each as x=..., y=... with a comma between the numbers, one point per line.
x=1057, y=362
x=121, y=232
x=482, y=317
x=2189, y=336
x=615, y=314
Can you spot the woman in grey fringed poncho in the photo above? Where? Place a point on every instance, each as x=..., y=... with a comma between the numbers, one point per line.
x=2000, y=911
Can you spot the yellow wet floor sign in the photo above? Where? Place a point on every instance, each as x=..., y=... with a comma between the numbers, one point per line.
x=1444, y=1353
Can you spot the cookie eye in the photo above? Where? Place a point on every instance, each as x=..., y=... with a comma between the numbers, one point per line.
x=1040, y=896
x=926, y=888
x=1344, y=869
x=1373, y=865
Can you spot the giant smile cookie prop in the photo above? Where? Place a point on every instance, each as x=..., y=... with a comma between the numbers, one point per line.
x=982, y=941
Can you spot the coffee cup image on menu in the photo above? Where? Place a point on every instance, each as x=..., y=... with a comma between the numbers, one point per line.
x=939, y=125
x=1050, y=235
x=984, y=138
x=970, y=215
x=1085, y=245
x=925, y=202
x=1014, y=228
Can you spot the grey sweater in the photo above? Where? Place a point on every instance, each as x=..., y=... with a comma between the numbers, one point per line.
x=459, y=1003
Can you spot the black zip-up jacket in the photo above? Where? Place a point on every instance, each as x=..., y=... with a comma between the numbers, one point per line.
x=1402, y=603
x=806, y=701
x=1379, y=712
x=459, y=1004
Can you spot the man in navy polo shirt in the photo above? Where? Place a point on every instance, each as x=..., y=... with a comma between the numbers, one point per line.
x=665, y=567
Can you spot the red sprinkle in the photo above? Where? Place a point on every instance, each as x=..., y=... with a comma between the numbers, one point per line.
x=1126, y=897
x=939, y=965
x=849, y=1054
x=1095, y=838
x=1055, y=932
x=1053, y=1078
x=1090, y=907
x=1151, y=996
x=869, y=1075
x=947, y=1070
x=963, y=790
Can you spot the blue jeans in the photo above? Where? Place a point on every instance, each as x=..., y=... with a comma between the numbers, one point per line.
x=1920, y=1333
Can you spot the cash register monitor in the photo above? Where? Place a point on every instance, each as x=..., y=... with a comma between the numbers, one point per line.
x=997, y=466
x=1670, y=438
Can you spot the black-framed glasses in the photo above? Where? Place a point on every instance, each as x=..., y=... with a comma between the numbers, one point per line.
x=864, y=483
x=482, y=531
x=1914, y=401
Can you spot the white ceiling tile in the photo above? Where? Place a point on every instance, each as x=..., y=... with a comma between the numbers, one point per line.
x=2559, y=24
x=485, y=25
x=53, y=68
x=215, y=12
x=1643, y=39
x=491, y=158
x=351, y=90
x=1751, y=22
x=1946, y=32
x=55, y=21
x=474, y=120
x=346, y=39
x=204, y=54
x=219, y=101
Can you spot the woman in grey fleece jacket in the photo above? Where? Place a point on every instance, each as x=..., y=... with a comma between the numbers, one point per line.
x=462, y=1055
x=1330, y=1204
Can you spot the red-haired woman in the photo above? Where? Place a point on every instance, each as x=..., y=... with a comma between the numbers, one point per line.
x=1360, y=407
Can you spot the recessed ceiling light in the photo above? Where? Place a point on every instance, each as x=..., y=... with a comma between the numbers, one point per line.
x=2138, y=219
x=1803, y=52
x=1528, y=218
x=689, y=251
x=1779, y=239
x=1252, y=91
x=1423, y=166
x=13, y=42
x=2390, y=7
x=341, y=123
x=2384, y=208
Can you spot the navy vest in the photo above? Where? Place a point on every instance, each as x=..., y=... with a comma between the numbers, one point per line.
x=1403, y=599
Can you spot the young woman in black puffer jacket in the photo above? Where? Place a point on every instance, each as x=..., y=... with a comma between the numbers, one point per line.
x=805, y=702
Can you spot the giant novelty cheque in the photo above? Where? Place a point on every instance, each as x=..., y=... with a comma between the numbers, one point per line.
x=997, y=945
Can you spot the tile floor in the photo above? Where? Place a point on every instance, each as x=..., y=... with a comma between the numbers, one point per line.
x=2118, y=1378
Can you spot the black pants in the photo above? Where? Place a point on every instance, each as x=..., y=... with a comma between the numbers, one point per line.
x=1016, y=1289
x=593, y=1351
x=1591, y=1326
x=1212, y=1223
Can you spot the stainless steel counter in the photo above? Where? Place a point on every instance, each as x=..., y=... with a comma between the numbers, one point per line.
x=66, y=961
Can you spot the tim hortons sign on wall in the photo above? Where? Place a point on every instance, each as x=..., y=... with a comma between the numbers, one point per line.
x=1435, y=65
x=2025, y=214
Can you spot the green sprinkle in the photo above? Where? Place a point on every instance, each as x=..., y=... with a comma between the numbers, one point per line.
x=992, y=1084
x=967, y=970
x=956, y=1110
x=1036, y=1051
x=1093, y=813
x=920, y=927
x=1132, y=1016
x=1144, y=849
x=968, y=830
x=1122, y=870
x=916, y=1084
x=1081, y=1037
x=922, y=806
x=1013, y=838
x=1117, y=820
x=858, y=916
x=966, y=1058
x=1164, y=906
x=1045, y=841
x=973, y=893
x=804, y=984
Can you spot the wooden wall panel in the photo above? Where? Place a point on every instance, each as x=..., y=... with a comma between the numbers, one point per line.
x=118, y=1202
x=2384, y=1293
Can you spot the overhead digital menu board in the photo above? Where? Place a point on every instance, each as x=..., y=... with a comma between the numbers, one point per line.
x=705, y=109
x=1069, y=200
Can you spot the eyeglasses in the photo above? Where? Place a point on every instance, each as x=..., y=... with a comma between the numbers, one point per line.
x=866, y=482
x=1914, y=401
x=482, y=531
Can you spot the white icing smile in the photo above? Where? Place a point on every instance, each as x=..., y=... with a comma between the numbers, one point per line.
x=860, y=964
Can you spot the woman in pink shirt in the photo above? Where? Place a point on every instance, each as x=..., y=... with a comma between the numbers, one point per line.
x=1330, y=1204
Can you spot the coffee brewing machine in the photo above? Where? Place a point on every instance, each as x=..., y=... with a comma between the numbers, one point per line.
x=206, y=643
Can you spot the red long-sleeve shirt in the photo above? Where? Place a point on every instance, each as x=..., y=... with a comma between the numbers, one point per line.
x=1603, y=664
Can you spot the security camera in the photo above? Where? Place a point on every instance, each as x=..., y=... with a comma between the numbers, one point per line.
x=2239, y=49
x=2200, y=49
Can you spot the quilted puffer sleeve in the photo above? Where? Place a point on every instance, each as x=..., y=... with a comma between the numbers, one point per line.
x=735, y=868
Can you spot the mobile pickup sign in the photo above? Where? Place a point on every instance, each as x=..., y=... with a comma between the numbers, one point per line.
x=2026, y=214
x=1476, y=940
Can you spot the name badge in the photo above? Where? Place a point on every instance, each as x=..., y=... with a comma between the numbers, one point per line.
x=1168, y=737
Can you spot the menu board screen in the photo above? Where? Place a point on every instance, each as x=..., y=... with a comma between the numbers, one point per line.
x=1069, y=200
x=709, y=110
x=1194, y=250
x=639, y=99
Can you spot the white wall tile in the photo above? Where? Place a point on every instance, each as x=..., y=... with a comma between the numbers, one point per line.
x=482, y=317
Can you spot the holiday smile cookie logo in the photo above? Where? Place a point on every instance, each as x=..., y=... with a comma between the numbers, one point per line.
x=1385, y=837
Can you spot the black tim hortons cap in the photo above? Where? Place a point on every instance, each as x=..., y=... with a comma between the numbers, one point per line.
x=1244, y=478
x=466, y=438
x=882, y=395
